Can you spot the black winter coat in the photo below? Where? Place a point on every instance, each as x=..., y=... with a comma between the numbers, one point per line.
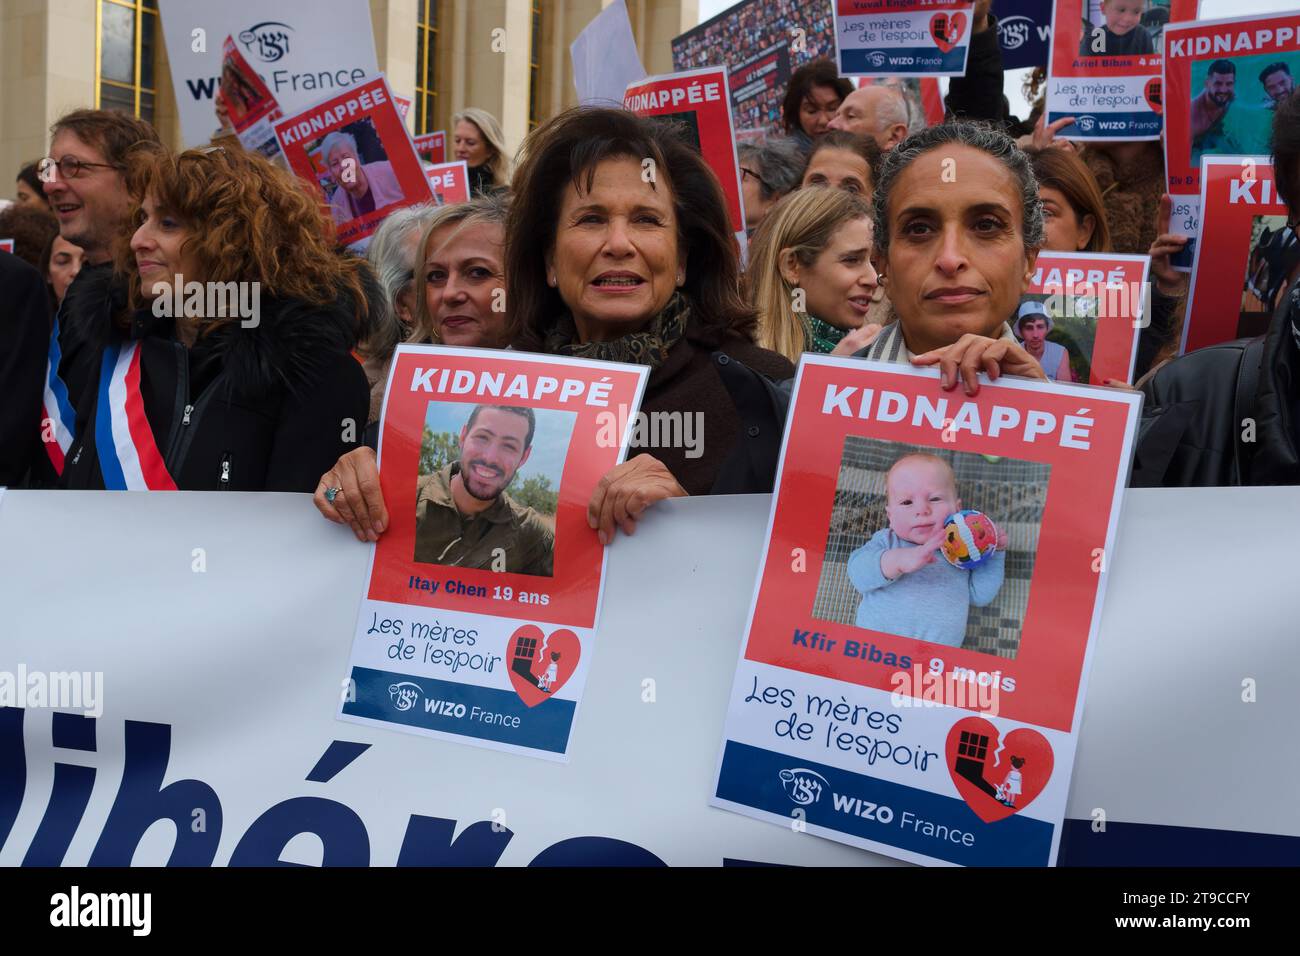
x=1226, y=415
x=24, y=341
x=264, y=408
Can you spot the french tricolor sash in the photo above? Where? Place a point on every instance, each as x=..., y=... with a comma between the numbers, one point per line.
x=58, y=421
x=128, y=455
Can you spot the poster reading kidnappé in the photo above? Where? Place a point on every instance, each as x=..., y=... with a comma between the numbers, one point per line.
x=912, y=677
x=1223, y=81
x=482, y=596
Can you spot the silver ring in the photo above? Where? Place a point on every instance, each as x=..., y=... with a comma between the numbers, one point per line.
x=332, y=493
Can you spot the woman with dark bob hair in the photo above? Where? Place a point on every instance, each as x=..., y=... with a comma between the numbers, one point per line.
x=618, y=247
x=812, y=96
x=227, y=364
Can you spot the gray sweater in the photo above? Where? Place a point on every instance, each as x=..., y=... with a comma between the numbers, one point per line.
x=930, y=604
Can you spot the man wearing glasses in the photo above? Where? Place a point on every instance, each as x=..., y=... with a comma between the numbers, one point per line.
x=82, y=177
x=83, y=180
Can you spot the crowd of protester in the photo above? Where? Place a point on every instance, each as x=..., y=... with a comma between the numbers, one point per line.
x=858, y=245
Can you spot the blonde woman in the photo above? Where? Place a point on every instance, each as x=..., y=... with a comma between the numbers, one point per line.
x=477, y=139
x=810, y=276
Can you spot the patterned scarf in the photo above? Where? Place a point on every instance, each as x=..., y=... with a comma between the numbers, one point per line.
x=822, y=336
x=647, y=347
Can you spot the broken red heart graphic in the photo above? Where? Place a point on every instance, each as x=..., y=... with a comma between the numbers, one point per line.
x=947, y=30
x=540, y=665
x=996, y=780
x=1153, y=94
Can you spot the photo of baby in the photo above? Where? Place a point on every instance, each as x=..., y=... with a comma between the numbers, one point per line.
x=1123, y=27
x=932, y=544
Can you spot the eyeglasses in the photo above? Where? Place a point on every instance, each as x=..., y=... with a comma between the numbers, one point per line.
x=745, y=171
x=69, y=167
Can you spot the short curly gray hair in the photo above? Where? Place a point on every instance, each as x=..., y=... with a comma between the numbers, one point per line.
x=977, y=136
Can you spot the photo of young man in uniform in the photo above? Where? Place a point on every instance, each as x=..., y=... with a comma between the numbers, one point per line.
x=463, y=515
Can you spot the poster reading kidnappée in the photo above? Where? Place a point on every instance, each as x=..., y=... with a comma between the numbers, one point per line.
x=1104, y=68
x=432, y=147
x=483, y=594
x=248, y=102
x=698, y=102
x=902, y=37
x=913, y=674
x=1082, y=315
x=355, y=149
x=449, y=182
x=1246, y=255
x=1223, y=80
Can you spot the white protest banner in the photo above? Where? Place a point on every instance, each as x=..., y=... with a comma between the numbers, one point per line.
x=902, y=37
x=483, y=594
x=1223, y=80
x=914, y=665
x=220, y=625
x=605, y=59
x=303, y=52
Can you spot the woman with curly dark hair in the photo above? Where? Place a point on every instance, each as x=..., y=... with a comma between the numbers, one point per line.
x=226, y=364
x=812, y=96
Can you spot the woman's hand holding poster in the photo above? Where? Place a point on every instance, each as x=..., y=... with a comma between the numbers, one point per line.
x=1105, y=66
x=483, y=595
x=1223, y=79
x=356, y=151
x=912, y=678
x=1248, y=254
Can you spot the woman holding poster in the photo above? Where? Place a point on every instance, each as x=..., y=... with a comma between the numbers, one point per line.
x=229, y=367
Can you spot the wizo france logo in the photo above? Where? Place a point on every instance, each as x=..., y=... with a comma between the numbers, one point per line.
x=876, y=58
x=1013, y=32
x=405, y=695
x=1086, y=123
x=268, y=40
x=803, y=786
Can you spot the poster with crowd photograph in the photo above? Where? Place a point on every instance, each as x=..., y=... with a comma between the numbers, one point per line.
x=1105, y=66
x=1024, y=32
x=1223, y=80
x=432, y=147
x=697, y=102
x=913, y=671
x=248, y=103
x=902, y=37
x=482, y=596
x=1082, y=315
x=449, y=182
x=746, y=38
x=355, y=150
x=1248, y=255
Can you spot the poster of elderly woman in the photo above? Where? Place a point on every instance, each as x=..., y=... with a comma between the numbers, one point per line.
x=356, y=151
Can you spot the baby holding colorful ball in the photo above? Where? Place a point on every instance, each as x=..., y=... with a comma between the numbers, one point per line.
x=919, y=576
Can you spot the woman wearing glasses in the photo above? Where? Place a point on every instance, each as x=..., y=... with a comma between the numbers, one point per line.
x=224, y=364
x=767, y=173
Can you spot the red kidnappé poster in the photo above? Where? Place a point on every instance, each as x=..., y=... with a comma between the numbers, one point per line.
x=912, y=676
